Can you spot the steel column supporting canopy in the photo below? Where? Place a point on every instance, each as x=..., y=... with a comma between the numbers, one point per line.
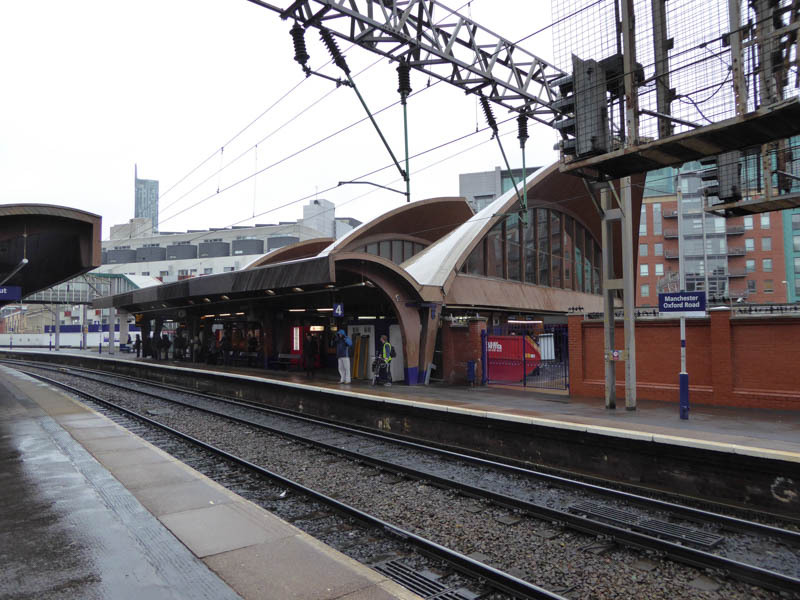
x=441, y=43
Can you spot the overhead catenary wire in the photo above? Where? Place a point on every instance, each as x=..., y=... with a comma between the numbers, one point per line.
x=702, y=44
x=333, y=187
x=260, y=116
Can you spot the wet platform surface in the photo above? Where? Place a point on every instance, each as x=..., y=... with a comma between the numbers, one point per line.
x=92, y=511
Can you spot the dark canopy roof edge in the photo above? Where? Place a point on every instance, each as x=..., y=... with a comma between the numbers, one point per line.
x=317, y=270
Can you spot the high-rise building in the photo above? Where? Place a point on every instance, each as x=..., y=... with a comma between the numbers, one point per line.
x=740, y=259
x=146, y=202
x=791, y=237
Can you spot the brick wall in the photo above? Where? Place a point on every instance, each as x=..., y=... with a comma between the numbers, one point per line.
x=730, y=361
x=459, y=345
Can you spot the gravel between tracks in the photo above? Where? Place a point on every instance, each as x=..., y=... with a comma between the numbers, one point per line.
x=571, y=563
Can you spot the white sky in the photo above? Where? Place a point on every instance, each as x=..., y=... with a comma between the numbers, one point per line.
x=91, y=87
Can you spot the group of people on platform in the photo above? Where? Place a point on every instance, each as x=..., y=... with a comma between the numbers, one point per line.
x=224, y=351
x=195, y=349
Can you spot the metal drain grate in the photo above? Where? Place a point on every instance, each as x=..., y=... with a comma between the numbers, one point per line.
x=420, y=583
x=654, y=527
x=680, y=533
x=590, y=509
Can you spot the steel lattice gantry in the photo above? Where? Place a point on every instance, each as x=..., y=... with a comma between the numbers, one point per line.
x=437, y=41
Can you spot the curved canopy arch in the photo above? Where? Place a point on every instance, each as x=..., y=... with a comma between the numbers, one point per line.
x=42, y=245
x=429, y=220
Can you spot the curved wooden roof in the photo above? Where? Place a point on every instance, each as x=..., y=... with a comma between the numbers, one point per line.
x=429, y=220
x=296, y=251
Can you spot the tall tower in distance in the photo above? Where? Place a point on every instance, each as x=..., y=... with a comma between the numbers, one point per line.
x=146, y=199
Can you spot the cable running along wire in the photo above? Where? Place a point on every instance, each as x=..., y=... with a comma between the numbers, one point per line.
x=259, y=117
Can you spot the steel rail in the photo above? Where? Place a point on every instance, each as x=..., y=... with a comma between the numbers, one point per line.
x=494, y=577
x=737, y=569
x=690, y=513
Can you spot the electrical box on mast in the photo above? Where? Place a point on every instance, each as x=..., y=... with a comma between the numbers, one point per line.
x=724, y=177
x=583, y=104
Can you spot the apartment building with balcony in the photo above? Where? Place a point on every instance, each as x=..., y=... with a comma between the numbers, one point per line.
x=736, y=258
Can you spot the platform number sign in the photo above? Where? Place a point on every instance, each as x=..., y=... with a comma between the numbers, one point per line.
x=338, y=309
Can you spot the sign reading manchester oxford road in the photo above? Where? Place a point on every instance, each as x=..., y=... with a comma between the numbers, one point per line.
x=686, y=304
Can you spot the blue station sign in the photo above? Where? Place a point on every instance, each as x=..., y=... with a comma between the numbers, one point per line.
x=687, y=304
x=10, y=292
x=338, y=309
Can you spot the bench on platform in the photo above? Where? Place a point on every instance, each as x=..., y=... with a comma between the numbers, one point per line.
x=284, y=361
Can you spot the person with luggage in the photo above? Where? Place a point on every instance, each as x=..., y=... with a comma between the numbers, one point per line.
x=386, y=352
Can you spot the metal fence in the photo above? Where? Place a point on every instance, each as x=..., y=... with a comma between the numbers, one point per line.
x=518, y=356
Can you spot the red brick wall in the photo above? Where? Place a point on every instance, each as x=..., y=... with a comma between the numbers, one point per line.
x=731, y=362
x=459, y=345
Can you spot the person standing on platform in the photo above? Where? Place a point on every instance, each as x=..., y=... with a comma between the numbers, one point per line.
x=310, y=351
x=343, y=343
x=386, y=353
x=137, y=345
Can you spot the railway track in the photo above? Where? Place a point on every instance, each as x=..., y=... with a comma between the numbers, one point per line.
x=759, y=554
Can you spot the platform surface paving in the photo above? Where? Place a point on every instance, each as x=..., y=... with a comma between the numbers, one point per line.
x=92, y=511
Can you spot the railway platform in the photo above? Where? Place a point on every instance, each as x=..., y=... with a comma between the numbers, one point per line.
x=740, y=456
x=765, y=433
x=92, y=511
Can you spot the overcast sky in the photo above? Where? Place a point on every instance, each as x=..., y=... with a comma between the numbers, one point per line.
x=91, y=87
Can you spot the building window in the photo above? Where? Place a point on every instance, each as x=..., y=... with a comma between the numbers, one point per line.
x=657, y=218
x=228, y=269
x=796, y=242
x=569, y=238
x=643, y=221
x=397, y=251
x=751, y=285
x=494, y=254
x=543, y=242
x=658, y=249
x=748, y=223
x=513, y=248
x=555, y=248
x=645, y=290
x=660, y=269
x=750, y=266
x=474, y=265
x=208, y=271
x=766, y=244
x=764, y=220
x=768, y=287
x=644, y=270
x=749, y=244
x=796, y=220
x=642, y=249
x=766, y=265
x=163, y=273
x=145, y=273
x=183, y=272
x=797, y=265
